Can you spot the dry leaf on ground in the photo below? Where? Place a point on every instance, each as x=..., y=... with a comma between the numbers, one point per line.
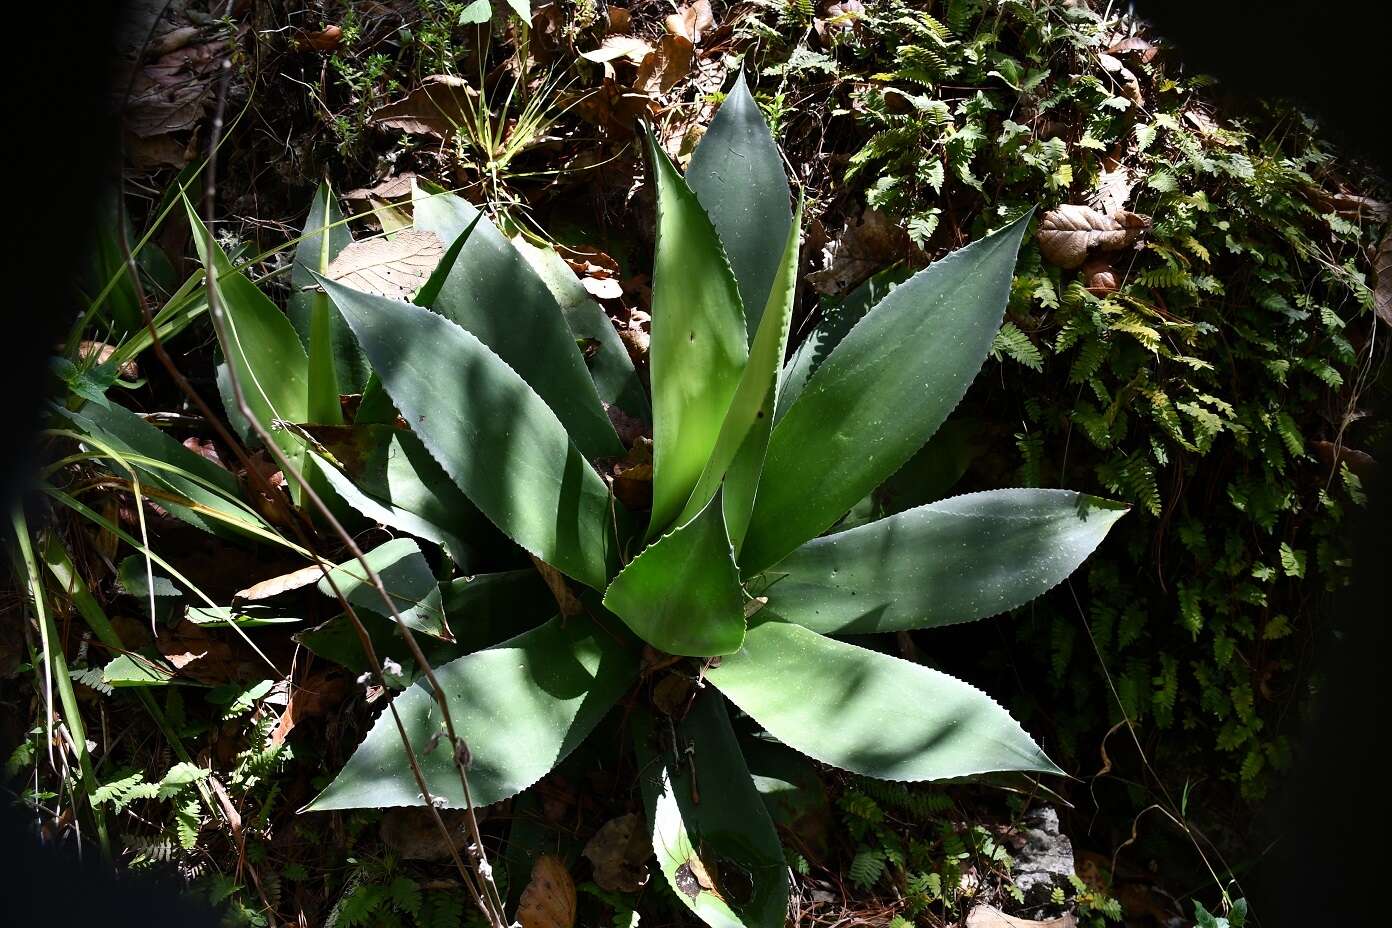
x=691, y=22
x=615, y=47
x=315, y=695
x=411, y=831
x=101, y=352
x=665, y=65
x=549, y=899
x=985, y=916
x=865, y=246
x=619, y=852
x=436, y=108
x=393, y=267
x=1134, y=45
x=1382, y=277
x=1070, y=234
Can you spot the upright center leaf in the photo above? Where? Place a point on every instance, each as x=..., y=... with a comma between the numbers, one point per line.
x=698, y=348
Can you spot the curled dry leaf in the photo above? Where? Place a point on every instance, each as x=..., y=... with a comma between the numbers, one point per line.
x=549, y=899
x=204, y=449
x=1363, y=464
x=691, y=22
x=1099, y=276
x=1382, y=277
x=566, y=601
x=282, y=584
x=1131, y=88
x=618, y=20
x=1114, y=186
x=619, y=852
x=985, y=916
x=1070, y=234
x=436, y=108
x=614, y=107
x=313, y=696
x=602, y=288
x=393, y=267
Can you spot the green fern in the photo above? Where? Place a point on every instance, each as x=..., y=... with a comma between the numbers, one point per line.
x=1017, y=345
x=866, y=868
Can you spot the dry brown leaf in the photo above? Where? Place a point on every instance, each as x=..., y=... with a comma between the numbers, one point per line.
x=393, y=267
x=614, y=47
x=619, y=852
x=204, y=449
x=313, y=696
x=691, y=22
x=325, y=40
x=1114, y=186
x=665, y=65
x=439, y=105
x=1131, y=88
x=618, y=20
x=602, y=288
x=1355, y=208
x=672, y=693
x=549, y=899
x=566, y=600
x=985, y=916
x=101, y=352
x=1363, y=464
x=614, y=107
x=865, y=246
x=412, y=832
x=282, y=584
x=1070, y=234
x=1099, y=276
x=1134, y=45
x=1382, y=277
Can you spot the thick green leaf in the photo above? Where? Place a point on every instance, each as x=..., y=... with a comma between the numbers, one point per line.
x=521, y=707
x=493, y=293
x=248, y=616
x=483, y=611
x=136, y=670
x=498, y=441
x=737, y=174
x=615, y=378
x=870, y=713
x=960, y=559
x=837, y=319
x=725, y=834
x=406, y=576
x=682, y=593
x=745, y=431
x=392, y=479
x=881, y=395
x=430, y=290
x=335, y=361
x=262, y=348
x=698, y=347
x=190, y=475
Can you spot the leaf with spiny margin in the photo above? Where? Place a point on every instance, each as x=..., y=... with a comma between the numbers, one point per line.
x=737, y=175
x=263, y=349
x=837, y=320
x=494, y=294
x=430, y=290
x=499, y=442
x=698, y=347
x=405, y=575
x=682, y=593
x=336, y=363
x=881, y=395
x=953, y=561
x=729, y=840
x=390, y=477
x=521, y=708
x=869, y=713
x=612, y=369
x=739, y=450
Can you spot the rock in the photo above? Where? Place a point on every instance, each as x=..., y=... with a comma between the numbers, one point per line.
x=1045, y=859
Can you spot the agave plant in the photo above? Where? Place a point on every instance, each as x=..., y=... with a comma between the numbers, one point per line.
x=730, y=575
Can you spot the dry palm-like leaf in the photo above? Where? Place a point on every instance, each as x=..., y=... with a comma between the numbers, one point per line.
x=549, y=899
x=1070, y=234
x=393, y=267
x=1382, y=277
x=437, y=108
